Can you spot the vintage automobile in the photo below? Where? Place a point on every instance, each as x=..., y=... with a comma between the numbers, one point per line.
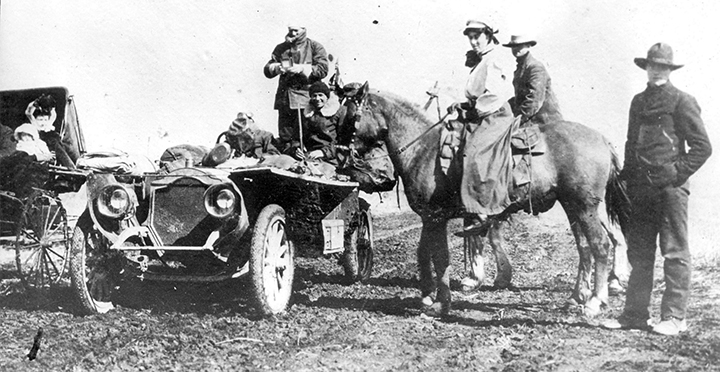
x=203, y=224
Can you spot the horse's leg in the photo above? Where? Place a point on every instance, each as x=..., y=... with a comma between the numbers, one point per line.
x=582, y=292
x=621, y=267
x=433, y=240
x=474, y=256
x=503, y=278
x=599, y=246
x=424, y=257
x=620, y=271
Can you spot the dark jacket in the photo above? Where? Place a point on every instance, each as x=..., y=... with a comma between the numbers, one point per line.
x=263, y=144
x=663, y=123
x=303, y=52
x=321, y=133
x=534, y=97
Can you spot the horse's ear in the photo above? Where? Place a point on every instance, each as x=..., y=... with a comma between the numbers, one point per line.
x=362, y=93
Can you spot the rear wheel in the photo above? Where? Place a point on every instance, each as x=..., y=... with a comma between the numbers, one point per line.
x=272, y=266
x=94, y=271
x=42, y=242
x=358, y=257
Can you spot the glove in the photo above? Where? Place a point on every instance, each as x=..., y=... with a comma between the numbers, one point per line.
x=275, y=68
x=315, y=154
x=455, y=107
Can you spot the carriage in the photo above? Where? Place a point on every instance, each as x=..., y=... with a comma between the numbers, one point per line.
x=33, y=219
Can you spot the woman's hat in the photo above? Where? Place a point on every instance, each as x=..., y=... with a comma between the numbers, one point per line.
x=517, y=40
x=319, y=87
x=661, y=54
x=474, y=25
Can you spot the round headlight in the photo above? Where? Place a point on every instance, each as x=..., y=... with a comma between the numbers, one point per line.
x=220, y=201
x=114, y=201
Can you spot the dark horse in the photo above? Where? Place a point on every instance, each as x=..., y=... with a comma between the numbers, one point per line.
x=579, y=169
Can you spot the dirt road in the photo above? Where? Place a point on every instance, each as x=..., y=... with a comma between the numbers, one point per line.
x=373, y=326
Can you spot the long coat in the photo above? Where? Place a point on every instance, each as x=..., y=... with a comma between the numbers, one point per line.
x=534, y=97
x=307, y=51
x=663, y=122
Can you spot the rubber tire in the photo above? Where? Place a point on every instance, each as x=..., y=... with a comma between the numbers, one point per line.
x=272, y=280
x=86, y=244
x=42, y=229
x=358, y=257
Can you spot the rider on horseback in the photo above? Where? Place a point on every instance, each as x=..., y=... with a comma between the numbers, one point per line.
x=534, y=98
x=488, y=122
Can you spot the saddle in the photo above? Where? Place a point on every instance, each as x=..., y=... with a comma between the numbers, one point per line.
x=528, y=140
x=450, y=140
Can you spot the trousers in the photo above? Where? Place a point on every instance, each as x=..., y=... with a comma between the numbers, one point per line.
x=658, y=215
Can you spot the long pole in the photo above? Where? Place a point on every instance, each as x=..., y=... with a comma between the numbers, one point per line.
x=300, y=130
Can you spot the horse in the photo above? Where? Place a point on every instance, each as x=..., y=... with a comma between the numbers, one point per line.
x=579, y=169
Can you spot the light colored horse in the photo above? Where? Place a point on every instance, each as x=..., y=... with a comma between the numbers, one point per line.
x=579, y=170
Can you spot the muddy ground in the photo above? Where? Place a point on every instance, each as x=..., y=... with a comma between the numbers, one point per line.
x=371, y=326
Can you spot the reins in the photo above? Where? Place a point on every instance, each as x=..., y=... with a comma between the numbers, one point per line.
x=407, y=146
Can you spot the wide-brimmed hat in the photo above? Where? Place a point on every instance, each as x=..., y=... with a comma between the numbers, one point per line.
x=659, y=53
x=475, y=25
x=517, y=40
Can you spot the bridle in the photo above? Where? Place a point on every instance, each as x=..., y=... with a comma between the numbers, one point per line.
x=361, y=104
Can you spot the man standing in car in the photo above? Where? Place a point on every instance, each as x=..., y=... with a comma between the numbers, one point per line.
x=666, y=144
x=299, y=61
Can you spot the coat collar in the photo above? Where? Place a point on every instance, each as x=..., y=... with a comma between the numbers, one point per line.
x=332, y=105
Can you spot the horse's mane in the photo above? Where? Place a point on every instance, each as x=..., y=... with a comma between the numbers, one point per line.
x=397, y=106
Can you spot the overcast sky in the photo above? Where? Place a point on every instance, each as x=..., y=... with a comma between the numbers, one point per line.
x=150, y=74
x=144, y=69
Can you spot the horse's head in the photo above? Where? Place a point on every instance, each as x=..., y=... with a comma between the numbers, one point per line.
x=370, y=127
x=369, y=162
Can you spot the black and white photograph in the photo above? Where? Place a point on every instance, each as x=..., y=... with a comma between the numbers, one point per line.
x=386, y=185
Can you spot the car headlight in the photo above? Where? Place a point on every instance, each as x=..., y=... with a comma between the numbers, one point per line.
x=114, y=201
x=220, y=201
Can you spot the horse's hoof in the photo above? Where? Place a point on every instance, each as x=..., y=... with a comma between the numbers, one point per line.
x=502, y=284
x=427, y=301
x=433, y=310
x=592, y=307
x=468, y=284
x=571, y=303
x=615, y=288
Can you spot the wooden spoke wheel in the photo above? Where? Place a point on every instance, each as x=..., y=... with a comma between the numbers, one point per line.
x=272, y=263
x=42, y=241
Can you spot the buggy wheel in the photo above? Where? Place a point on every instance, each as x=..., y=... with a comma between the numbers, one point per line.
x=358, y=257
x=94, y=271
x=42, y=242
x=272, y=266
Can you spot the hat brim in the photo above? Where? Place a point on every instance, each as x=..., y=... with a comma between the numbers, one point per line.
x=474, y=29
x=510, y=45
x=643, y=62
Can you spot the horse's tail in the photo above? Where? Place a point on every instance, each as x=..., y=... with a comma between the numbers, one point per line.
x=617, y=201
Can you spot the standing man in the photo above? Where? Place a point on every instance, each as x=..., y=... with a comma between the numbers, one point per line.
x=300, y=62
x=534, y=98
x=666, y=144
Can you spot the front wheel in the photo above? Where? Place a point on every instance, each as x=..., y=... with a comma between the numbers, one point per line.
x=272, y=267
x=358, y=256
x=94, y=271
